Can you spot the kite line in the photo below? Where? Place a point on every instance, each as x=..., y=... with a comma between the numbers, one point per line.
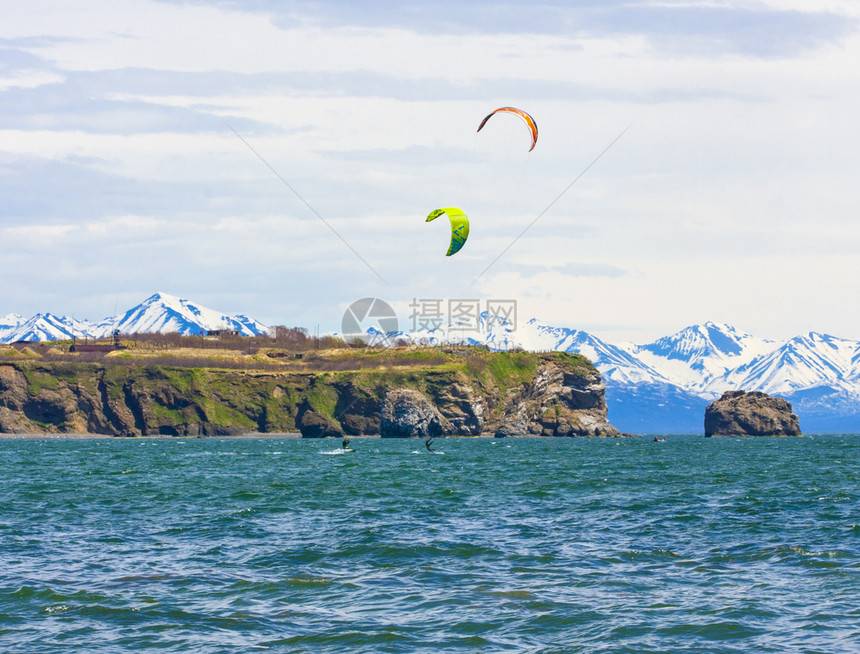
x=307, y=204
x=550, y=205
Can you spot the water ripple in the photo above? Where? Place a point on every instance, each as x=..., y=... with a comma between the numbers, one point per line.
x=533, y=545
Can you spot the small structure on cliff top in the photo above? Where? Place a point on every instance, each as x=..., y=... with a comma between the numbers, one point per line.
x=739, y=413
x=86, y=346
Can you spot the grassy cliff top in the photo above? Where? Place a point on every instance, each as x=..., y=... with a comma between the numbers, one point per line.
x=478, y=364
x=213, y=389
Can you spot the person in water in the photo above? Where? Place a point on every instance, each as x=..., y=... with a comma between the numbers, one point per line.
x=346, y=443
x=427, y=444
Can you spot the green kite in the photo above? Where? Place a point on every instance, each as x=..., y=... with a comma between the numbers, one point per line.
x=459, y=227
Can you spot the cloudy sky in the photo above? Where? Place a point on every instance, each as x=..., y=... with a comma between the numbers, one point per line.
x=278, y=159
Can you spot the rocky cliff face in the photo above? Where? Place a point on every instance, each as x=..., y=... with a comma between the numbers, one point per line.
x=738, y=413
x=558, y=403
x=116, y=401
x=407, y=413
x=449, y=408
x=505, y=394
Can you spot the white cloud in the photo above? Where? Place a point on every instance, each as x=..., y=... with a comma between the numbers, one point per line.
x=776, y=296
x=738, y=172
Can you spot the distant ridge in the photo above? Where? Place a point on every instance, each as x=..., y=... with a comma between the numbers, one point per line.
x=159, y=313
x=661, y=386
x=664, y=386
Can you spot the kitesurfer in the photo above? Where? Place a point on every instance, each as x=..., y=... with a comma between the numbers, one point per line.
x=346, y=443
x=427, y=444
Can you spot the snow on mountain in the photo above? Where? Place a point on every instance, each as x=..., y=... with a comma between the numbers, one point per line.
x=494, y=332
x=161, y=313
x=659, y=386
x=802, y=362
x=614, y=363
x=700, y=360
x=817, y=373
x=10, y=321
x=698, y=354
x=855, y=364
x=45, y=327
x=664, y=386
x=699, y=342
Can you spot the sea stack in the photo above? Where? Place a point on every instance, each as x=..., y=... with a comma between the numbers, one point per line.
x=739, y=413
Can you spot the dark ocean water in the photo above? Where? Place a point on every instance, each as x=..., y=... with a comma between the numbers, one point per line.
x=519, y=545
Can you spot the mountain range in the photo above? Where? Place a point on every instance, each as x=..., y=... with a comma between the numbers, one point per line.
x=664, y=386
x=159, y=313
x=658, y=387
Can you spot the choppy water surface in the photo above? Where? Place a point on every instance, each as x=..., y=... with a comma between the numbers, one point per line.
x=521, y=545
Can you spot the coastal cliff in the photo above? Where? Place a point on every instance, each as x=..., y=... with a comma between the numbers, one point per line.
x=408, y=392
x=738, y=413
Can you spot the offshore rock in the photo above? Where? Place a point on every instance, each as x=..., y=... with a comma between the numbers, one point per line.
x=739, y=413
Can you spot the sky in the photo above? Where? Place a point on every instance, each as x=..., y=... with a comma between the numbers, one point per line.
x=696, y=160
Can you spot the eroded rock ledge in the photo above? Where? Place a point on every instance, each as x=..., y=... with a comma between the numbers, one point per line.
x=558, y=403
x=741, y=413
x=397, y=394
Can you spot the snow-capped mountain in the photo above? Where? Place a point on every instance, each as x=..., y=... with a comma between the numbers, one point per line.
x=699, y=355
x=698, y=343
x=493, y=332
x=615, y=363
x=44, y=327
x=661, y=386
x=801, y=362
x=162, y=313
x=665, y=386
x=158, y=313
x=10, y=321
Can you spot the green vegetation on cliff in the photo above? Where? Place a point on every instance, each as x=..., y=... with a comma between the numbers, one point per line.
x=210, y=391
